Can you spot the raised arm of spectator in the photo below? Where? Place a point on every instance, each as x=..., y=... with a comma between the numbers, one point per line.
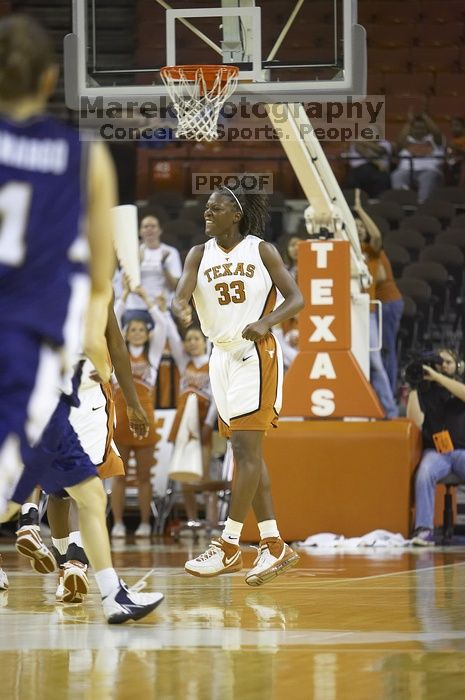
x=404, y=132
x=158, y=334
x=373, y=231
x=176, y=344
x=172, y=268
x=434, y=129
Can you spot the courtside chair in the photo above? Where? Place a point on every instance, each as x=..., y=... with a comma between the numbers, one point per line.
x=450, y=481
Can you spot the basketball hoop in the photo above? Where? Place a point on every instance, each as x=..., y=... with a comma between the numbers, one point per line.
x=198, y=93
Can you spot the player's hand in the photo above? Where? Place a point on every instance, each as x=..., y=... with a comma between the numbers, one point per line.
x=138, y=422
x=95, y=376
x=183, y=311
x=256, y=331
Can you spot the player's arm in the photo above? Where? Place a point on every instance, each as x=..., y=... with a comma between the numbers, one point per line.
x=137, y=417
x=293, y=299
x=186, y=285
x=102, y=197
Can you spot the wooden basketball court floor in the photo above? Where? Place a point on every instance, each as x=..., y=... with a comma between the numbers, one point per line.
x=366, y=625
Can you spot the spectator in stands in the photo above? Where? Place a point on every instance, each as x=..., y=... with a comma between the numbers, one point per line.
x=289, y=254
x=370, y=240
x=456, y=153
x=192, y=356
x=436, y=404
x=388, y=294
x=145, y=349
x=160, y=269
x=369, y=166
x=420, y=146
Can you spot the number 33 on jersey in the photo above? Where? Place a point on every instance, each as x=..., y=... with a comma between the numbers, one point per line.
x=233, y=289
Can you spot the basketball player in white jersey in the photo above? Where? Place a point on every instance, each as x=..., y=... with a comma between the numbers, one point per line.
x=233, y=279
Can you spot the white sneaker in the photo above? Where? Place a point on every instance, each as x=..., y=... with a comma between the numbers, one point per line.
x=274, y=558
x=220, y=558
x=75, y=582
x=128, y=604
x=30, y=544
x=60, y=590
x=3, y=577
x=118, y=530
x=144, y=530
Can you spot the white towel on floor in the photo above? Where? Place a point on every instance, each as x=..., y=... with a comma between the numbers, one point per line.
x=376, y=538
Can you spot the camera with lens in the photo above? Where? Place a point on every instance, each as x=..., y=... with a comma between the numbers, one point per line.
x=414, y=372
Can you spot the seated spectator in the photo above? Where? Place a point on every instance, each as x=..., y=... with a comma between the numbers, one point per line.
x=436, y=404
x=456, y=153
x=370, y=240
x=420, y=146
x=369, y=167
x=289, y=254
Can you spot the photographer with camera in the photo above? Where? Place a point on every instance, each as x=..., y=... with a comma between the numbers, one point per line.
x=436, y=404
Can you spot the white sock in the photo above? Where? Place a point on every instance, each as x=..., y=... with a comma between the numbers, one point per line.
x=268, y=528
x=61, y=544
x=107, y=581
x=232, y=531
x=75, y=537
x=26, y=507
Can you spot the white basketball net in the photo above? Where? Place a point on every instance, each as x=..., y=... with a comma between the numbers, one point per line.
x=196, y=102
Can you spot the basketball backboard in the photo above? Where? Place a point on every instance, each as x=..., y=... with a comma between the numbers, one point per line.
x=285, y=51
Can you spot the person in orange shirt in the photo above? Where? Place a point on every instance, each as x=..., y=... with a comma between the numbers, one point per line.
x=145, y=349
x=370, y=240
x=388, y=294
x=192, y=358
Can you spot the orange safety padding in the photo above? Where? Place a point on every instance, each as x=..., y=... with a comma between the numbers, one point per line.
x=324, y=272
x=325, y=380
x=343, y=477
x=348, y=394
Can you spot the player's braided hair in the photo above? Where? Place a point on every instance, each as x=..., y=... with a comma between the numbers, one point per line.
x=25, y=52
x=253, y=207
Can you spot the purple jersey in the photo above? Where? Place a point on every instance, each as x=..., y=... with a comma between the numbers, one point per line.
x=43, y=186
